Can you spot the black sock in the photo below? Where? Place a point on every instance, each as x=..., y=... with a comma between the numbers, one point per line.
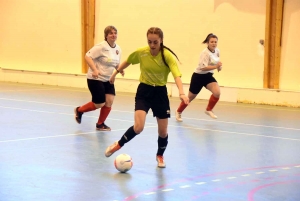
x=162, y=145
x=128, y=135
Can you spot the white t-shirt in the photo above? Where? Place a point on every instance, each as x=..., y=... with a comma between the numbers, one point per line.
x=207, y=58
x=106, y=59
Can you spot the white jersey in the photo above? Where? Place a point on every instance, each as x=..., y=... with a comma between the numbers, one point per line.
x=106, y=59
x=207, y=58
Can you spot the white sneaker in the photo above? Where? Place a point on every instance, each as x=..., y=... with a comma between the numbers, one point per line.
x=211, y=114
x=178, y=116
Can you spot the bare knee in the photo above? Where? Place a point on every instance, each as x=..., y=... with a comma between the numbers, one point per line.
x=99, y=105
x=138, y=129
x=217, y=94
x=163, y=134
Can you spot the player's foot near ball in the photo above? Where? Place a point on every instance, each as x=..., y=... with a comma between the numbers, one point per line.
x=112, y=149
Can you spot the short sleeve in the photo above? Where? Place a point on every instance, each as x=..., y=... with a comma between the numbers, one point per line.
x=95, y=52
x=134, y=58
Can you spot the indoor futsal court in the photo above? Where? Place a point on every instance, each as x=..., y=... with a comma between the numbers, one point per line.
x=250, y=153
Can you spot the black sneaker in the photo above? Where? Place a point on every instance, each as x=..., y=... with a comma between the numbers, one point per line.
x=102, y=127
x=78, y=115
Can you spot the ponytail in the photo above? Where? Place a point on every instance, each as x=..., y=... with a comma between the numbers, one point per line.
x=208, y=37
x=162, y=47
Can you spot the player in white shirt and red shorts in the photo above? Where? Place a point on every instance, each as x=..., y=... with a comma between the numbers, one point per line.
x=203, y=77
x=102, y=60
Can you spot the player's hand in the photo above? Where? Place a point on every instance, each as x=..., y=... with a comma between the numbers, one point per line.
x=185, y=99
x=122, y=73
x=112, y=79
x=220, y=68
x=95, y=74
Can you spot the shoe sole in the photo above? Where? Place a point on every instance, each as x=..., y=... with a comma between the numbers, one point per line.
x=100, y=129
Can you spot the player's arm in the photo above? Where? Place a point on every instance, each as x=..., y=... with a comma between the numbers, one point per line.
x=92, y=65
x=204, y=61
x=121, y=67
x=182, y=96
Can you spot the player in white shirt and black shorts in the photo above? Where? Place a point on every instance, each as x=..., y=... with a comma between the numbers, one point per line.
x=203, y=77
x=102, y=60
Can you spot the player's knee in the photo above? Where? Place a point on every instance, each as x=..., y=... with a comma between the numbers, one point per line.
x=217, y=94
x=163, y=134
x=138, y=129
x=99, y=105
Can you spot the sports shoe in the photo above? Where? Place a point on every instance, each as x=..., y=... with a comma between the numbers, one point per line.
x=160, y=161
x=112, y=149
x=211, y=114
x=102, y=127
x=78, y=115
x=178, y=116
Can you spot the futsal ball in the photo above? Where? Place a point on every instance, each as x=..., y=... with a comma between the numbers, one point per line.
x=123, y=162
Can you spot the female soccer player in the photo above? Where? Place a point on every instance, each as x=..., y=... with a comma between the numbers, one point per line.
x=156, y=62
x=102, y=60
x=203, y=76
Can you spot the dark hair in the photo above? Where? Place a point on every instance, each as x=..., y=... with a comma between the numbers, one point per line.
x=158, y=31
x=107, y=30
x=208, y=37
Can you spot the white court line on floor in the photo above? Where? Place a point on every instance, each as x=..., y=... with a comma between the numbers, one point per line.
x=64, y=135
x=196, y=101
x=195, y=128
x=239, y=133
x=226, y=122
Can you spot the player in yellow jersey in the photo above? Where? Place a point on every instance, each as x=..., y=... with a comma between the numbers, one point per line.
x=156, y=62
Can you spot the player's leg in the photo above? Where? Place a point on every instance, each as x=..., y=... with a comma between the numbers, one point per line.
x=161, y=110
x=142, y=107
x=98, y=98
x=162, y=141
x=214, y=98
x=194, y=89
x=105, y=110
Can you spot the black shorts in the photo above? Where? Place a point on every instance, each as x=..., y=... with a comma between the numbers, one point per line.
x=200, y=80
x=98, y=90
x=155, y=98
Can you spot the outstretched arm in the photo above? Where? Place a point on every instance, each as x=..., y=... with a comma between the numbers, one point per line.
x=121, y=67
x=182, y=96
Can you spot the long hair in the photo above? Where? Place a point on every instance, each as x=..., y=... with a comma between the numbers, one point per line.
x=158, y=31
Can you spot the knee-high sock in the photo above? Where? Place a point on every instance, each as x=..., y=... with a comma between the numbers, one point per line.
x=90, y=106
x=128, y=135
x=212, y=102
x=162, y=145
x=104, y=112
x=181, y=107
